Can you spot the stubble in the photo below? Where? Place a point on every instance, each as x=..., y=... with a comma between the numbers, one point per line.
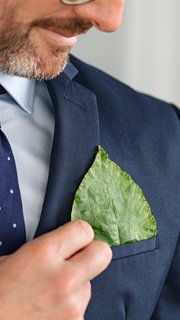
x=19, y=55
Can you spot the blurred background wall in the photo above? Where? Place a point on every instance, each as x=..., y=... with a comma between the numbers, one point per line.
x=145, y=52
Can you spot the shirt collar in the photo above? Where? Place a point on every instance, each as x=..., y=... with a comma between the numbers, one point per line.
x=22, y=90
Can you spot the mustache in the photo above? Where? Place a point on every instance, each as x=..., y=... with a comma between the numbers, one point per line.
x=71, y=26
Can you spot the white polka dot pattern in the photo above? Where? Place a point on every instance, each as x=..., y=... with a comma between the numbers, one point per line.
x=12, y=228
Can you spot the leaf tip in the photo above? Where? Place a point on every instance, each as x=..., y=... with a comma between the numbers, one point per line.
x=102, y=153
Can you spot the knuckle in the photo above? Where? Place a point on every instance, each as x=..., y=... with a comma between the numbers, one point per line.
x=61, y=289
x=42, y=251
x=67, y=285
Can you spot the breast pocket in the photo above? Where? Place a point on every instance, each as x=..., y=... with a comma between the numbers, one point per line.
x=132, y=249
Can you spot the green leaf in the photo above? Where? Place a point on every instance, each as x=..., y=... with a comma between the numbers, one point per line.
x=113, y=204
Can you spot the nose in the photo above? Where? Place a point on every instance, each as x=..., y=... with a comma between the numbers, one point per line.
x=105, y=15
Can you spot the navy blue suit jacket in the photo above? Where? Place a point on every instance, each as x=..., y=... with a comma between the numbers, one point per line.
x=142, y=135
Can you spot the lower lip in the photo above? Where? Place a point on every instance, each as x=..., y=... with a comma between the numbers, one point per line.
x=58, y=39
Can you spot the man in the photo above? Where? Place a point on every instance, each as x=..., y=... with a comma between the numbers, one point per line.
x=49, y=277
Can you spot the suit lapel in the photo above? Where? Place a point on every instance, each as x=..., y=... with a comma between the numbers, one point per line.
x=75, y=144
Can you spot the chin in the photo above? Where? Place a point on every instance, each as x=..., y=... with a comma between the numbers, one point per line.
x=48, y=71
x=50, y=66
x=36, y=66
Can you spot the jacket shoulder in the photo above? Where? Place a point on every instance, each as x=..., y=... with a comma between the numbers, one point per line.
x=109, y=90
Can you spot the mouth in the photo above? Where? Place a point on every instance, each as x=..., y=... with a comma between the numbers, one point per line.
x=57, y=38
x=61, y=32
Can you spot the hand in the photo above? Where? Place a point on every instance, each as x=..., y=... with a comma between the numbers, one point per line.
x=48, y=278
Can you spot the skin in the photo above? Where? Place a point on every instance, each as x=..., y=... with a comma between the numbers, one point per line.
x=28, y=49
x=49, y=277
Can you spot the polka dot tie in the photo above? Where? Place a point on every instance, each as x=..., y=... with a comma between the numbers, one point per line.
x=12, y=227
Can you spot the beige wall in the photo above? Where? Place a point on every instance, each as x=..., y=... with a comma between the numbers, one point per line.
x=145, y=52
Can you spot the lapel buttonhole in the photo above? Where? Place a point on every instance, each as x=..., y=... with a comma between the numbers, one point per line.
x=68, y=99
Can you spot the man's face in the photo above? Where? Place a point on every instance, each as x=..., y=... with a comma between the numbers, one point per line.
x=37, y=35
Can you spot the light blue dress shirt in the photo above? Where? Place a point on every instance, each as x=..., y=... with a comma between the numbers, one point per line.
x=27, y=119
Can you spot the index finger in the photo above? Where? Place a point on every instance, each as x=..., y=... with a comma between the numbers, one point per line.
x=70, y=238
x=91, y=261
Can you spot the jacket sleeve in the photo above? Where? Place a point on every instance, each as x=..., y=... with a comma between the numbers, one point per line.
x=168, y=306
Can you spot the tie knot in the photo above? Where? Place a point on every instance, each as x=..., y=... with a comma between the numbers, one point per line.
x=2, y=90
